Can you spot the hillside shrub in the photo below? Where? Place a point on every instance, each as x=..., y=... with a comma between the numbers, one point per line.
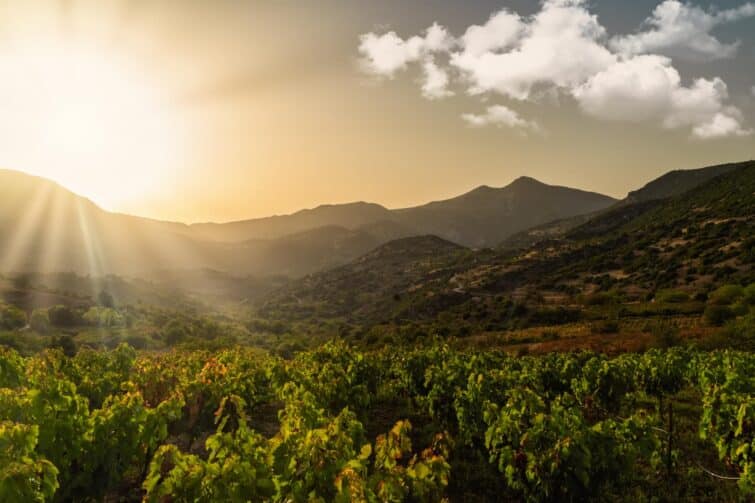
x=12, y=318
x=726, y=295
x=671, y=296
x=40, y=321
x=63, y=317
x=716, y=315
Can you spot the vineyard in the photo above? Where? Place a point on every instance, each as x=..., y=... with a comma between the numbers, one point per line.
x=408, y=424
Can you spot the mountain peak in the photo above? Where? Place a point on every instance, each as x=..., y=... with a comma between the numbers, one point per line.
x=526, y=180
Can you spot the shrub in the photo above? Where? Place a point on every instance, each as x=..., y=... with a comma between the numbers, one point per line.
x=137, y=341
x=749, y=294
x=665, y=335
x=726, y=295
x=12, y=318
x=717, y=315
x=63, y=316
x=671, y=296
x=65, y=343
x=40, y=321
x=605, y=327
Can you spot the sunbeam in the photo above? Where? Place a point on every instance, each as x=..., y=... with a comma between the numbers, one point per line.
x=19, y=251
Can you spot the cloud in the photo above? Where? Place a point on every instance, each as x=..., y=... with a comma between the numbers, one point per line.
x=557, y=47
x=683, y=31
x=563, y=50
x=720, y=126
x=502, y=30
x=501, y=116
x=386, y=54
x=648, y=88
x=435, y=81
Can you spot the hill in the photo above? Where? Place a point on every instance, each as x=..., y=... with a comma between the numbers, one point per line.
x=367, y=287
x=671, y=184
x=482, y=217
x=678, y=182
x=486, y=216
x=693, y=242
x=45, y=228
x=349, y=216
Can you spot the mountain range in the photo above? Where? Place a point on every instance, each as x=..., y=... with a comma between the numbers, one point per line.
x=662, y=238
x=45, y=228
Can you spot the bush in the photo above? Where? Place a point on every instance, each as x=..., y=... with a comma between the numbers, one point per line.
x=738, y=334
x=40, y=321
x=12, y=318
x=137, y=341
x=65, y=343
x=665, y=335
x=717, y=315
x=175, y=332
x=749, y=295
x=63, y=317
x=726, y=295
x=671, y=296
x=104, y=317
x=605, y=327
x=600, y=299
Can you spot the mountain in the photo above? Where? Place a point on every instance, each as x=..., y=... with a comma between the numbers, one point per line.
x=365, y=287
x=671, y=184
x=45, y=228
x=694, y=241
x=486, y=216
x=678, y=182
x=482, y=217
x=349, y=216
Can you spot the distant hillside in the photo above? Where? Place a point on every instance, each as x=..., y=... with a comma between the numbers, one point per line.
x=694, y=241
x=369, y=286
x=482, y=217
x=678, y=182
x=45, y=228
x=486, y=216
x=668, y=185
x=349, y=216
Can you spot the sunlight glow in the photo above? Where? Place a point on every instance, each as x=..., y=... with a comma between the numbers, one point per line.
x=85, y=116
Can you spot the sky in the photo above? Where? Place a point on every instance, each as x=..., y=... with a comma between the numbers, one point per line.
x=191, y=110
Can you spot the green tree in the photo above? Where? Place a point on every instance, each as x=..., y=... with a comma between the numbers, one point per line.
x=40, y=321
x=12, y=318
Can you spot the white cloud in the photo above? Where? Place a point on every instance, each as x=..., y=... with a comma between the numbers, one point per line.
x=435, y=81
x=648, y=88
x=683, y=31
x=386, y=54
x=557, y=47
x=564, y=50
x=720, y=126
x=501, y=116
x=501, y=31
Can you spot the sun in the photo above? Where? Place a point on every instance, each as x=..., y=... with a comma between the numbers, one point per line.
x=83, y=114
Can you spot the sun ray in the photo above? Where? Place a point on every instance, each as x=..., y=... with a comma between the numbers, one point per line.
x=19, y=250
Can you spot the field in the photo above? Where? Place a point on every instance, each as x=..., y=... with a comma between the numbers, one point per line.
x=338, y=424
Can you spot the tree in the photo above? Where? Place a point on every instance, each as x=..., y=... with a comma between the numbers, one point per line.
x=65, y=343
x=63, y=316
x=12, y=318
x=40, y=321
x=105, y=299
x=726, y=295
x=718, y=315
